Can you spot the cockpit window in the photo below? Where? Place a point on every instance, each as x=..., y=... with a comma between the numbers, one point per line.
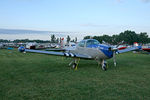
x=92, y=42
x=81, y=44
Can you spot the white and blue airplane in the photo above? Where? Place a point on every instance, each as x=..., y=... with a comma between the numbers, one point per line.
x=87, y=49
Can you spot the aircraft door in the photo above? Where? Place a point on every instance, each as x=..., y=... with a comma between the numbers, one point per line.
x=81, y=47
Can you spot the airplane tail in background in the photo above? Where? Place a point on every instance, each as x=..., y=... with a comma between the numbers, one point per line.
x=136, y=44
x=62, y=43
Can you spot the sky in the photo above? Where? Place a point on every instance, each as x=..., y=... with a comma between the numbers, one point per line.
x=93, y=17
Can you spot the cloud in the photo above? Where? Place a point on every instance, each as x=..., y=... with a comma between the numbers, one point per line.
x=92, y=25
x=146, y=1
x=118, y=0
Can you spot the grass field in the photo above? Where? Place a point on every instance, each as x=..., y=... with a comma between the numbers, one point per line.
x=44, y=77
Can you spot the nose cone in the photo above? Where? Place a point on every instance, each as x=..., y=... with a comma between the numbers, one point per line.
x=107, y=50
x=21, y=49
x=140, y=47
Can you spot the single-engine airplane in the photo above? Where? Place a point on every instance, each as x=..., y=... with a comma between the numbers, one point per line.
x=87, y=49
x=143, y=48
x=146, y=48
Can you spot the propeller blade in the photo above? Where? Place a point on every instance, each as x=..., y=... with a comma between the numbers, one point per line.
x=114, y=58
x=119, y=44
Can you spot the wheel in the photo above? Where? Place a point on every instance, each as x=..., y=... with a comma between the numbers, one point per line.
x=74, y=65
x=104, y=67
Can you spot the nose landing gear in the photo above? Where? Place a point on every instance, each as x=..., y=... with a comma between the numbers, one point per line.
x=104, y=65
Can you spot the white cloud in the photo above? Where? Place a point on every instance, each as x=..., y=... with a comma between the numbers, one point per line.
x=146, y=1
x=92, y=25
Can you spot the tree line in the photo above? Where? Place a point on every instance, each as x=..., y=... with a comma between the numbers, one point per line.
x=58, y=40
x=53, y=39
x=23, y=41
x=128, y=37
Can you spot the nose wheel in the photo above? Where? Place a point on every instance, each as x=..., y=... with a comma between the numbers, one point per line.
x=103, y=64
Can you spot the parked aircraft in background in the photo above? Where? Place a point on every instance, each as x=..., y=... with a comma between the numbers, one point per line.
x=63, y=46
x=31, y=45
x=87, y=49
x=121, y=47
x=144, y=48
x=1, y=45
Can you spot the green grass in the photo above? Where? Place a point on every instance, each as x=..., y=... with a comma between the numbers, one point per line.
x=45, y=77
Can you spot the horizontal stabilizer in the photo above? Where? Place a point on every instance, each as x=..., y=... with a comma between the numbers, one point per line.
x=55, y=50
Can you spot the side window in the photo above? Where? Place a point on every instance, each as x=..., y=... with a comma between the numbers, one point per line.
x=88, y=43
x=81, y=44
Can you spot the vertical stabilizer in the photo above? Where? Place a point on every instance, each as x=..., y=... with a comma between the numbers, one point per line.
x=136, y=44
x=62, y=43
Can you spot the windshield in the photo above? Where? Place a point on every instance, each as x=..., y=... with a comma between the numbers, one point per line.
x=81, y=44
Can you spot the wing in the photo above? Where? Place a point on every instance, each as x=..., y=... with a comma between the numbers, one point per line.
x=129, y=49
x=55, y=49
x=67, y=54
x=62, y=49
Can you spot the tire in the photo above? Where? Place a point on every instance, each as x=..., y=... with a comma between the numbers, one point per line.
x=104, y=67
x=74, y=65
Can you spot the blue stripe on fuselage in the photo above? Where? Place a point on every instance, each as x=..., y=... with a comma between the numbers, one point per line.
x=104, y=49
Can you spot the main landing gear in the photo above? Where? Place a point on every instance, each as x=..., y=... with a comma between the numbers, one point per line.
x=74, y=66
x=74, y=63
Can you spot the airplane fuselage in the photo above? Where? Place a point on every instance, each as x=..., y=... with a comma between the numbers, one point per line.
x=97, y=51
x=146, y=48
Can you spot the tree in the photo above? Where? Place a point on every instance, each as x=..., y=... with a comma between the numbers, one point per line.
x=57, y=40
x=148, y=40
x=99, y=38
x=116, y=39
x=105, y=38
x=128, y=37
x=53, y=38
x=143, y=38
x=68, y=39
x=4, y=41
x=87, y=37
x=60, y=40
x=76, y=40
x=72, y=40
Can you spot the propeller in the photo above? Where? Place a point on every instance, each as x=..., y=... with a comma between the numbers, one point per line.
x=119, y=44
x=114, y=58
x=115, y=49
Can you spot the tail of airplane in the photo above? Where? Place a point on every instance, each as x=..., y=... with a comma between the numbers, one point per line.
x=136, y=44
x=62, y=43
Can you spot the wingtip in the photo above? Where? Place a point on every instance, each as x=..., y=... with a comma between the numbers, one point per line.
x=21, y=49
